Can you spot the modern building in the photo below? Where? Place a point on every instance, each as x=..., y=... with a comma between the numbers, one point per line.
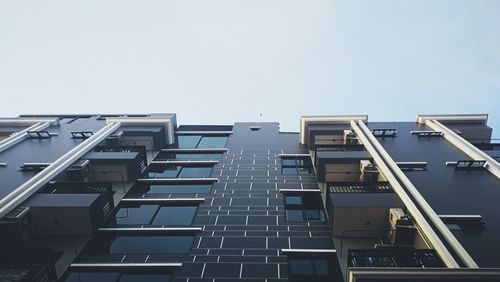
x=141, y=198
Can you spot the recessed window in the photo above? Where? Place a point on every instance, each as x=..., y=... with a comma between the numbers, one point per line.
x=188, y=156
x=155, y=215
x=116, y=277
x=313, y=267
x=200, y=141
x=155, y=190
x=179, y=188
x=150, y=245
x=297, y=166
x=180, y=172
x=304, y=207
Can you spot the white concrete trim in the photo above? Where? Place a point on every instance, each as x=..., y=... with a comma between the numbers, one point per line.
x=480, y=118
x=23, y=134
x=470, y=150
x=167, y=123
x=28, y=188
x=327, y=119
x=365, y=135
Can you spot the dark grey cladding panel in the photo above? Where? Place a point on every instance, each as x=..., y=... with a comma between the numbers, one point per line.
x=472, y=131
x=449, y=191
x=41, y=151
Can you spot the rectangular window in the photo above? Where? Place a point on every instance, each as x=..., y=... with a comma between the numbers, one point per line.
x=200, y=141
x=313, y=267
x=304, y=207
x=116, y=277
x=150, y=245
x=179, y=188
x=297, y=166
x=187, y=156
x=155, y=215
x=179, y=171
x=165, y=189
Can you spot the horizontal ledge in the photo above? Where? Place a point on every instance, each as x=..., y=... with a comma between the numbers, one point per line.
x=177, y=180
x=154, y=265
x=162, y=200
x=306, y=251
x=202, y=132
x=460, y=216
x=293, y=155
x=204, y=150
x=299, y=190
x=3, y=164
x=412, y=163
x=186, y=162
x=139, y=230
x=481, y=118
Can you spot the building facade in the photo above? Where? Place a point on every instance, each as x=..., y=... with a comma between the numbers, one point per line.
x=141, y=198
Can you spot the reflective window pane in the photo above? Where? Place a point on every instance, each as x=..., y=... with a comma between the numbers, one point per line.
x=175, y=216
x=293, y=200
x=136, y=215
x=145, y=277
x=179, y=188
x=321, y=266
x=198, y=156
x=188, y=172
x=294, y=215
x=213, y=142
x=93, y=277
x=188, y=141
x=300, y=267
x=151, y=245
x=166, y=172
x=289, y=170
x=312, y=214
x=288, y=162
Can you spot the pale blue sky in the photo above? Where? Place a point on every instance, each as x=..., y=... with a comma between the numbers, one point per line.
x=222, y=61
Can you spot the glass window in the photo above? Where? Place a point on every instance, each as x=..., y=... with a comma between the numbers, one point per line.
x=151, y=245
x=92, y=277
x=165, y=172
x=213, y=142
x=289, y=170
x=136, y=215
x=312, y=214
x=145, y=277
x=175, y=216
x=299, y=165
x=294, y=215
x=180, y=188
x=300, y=267
x=188, y=141
x=321, y=266
x=188, y=172
x=198, y=156
x=288, y=162
x=293, y=200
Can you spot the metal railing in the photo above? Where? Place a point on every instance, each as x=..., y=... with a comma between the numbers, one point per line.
x=359, y=187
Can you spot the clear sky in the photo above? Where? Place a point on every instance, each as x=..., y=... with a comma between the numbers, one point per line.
x=220, y=61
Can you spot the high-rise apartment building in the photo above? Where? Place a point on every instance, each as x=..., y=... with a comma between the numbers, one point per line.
x=141, y=198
